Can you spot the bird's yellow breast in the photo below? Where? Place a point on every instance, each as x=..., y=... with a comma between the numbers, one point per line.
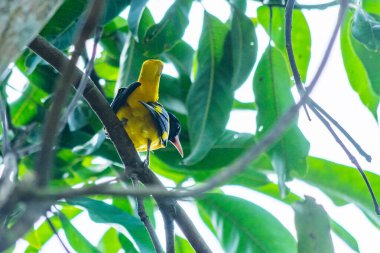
x=140, y=127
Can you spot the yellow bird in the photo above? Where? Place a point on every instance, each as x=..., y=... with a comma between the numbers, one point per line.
x=146, y=121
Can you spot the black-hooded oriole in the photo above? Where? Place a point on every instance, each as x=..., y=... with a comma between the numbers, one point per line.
x=146, y=121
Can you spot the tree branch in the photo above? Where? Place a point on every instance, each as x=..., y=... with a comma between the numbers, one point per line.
x=144, y=217
x=120, y=139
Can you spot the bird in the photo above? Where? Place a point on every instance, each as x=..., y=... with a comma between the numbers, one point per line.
x=145, y=120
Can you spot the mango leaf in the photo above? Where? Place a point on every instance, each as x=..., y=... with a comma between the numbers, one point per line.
x=366, y=29
x=164, y=35
x=75, y=238
x=132, y=56
x=182, y=245
x=173, y=93
x=370, y=59
x=135, y=14
x=126, y=244
x=109, y=242
x=64, y=25
x=345, y=183
x=210, y=97
x=103, y=213
x=271, y=87
x=26, y=108
x=38, y=236
x=240, y=4
x=301, y=38
x=371, y=6
x=228, y=147
x=243, y=44
x=356, y=72
x=313, y=227
x=345, y=236
x=240, y=225
x=181, y=55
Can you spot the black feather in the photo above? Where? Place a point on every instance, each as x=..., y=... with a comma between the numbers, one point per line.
x=122, y=95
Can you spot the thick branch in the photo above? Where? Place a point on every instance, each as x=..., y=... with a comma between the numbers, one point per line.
x=122, y=142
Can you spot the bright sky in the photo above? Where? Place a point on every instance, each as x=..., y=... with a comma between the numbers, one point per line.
x=333, y=93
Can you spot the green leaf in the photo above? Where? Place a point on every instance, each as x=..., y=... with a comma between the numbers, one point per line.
x=301, y=38
x=370, y=59
x=126, y=244
x=103, y=213
x=366, y=29
x=356, y=72
x=64, y=25
x=164, y=35
x=345, y=236
x=240, y=4
x=228, y=147
x=173, y=93
x=26, y=108
x=110, y=242
x=344, y=183
x=182, y=245
x=75, y=238
x=313, y=227
x=371, y=6
x=135, y=14
x=243, y=45
x=244, y=227
x=182, y=56
x=40, y=235
x=132, y=56
x=210, y=97
x=271, y=86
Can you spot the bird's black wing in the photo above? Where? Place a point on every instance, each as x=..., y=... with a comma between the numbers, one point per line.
x=122, y=95
x=161, y=117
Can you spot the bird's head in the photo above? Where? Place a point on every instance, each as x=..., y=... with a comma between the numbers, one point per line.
x=174, y=131
x=151, y=70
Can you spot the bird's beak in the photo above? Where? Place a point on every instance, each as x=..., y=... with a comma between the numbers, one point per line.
x=177, y=145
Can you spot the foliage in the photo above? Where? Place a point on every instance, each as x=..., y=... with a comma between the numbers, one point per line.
x=201, y=95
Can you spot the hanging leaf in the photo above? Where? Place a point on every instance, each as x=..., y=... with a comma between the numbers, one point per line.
x=75, y=238
x=210, y=98
x=357, y=73
x=164, y=35
x=366, y=29
x=132, y=56
x=110, y=242
x=103, y=213
x=243, y=44
x=313, y=227
x=135, y=14
x=301, y=38
x=271, y=86
x=240, y=226
x=181, y=55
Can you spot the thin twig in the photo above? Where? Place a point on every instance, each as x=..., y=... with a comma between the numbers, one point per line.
x=83, y=81
x=319, y=111
x=289, y=49
x=311, y=102
x=51, y=225
x=350, y=156
x=144, y=217
x=3, y=113
x=51, y=125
